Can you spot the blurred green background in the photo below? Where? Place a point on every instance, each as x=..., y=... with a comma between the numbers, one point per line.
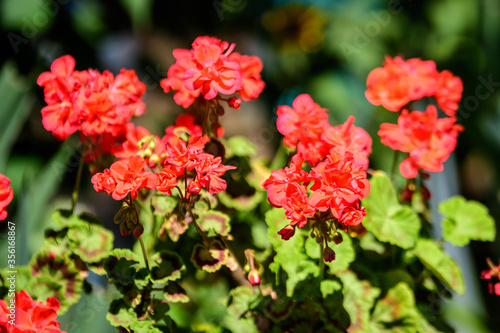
x=325, y=48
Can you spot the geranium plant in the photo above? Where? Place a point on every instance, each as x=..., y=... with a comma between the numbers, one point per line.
x=321, y=243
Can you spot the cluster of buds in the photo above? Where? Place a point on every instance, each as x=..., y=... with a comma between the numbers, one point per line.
x=492, y=274
x=128, y=220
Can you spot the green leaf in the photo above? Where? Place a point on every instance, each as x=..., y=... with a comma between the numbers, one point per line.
x=465, y=221
x=174, y=227
x=168, y=266
x=174, y=293
x=91, y=242
x=242, y=203
x=120, y=267
x=241, y=146
x=215, y=220
x=386, y=218
x=396, y=312
x=290, y=255
x=359, y=297
x=210, y=259
x=344, y=254
x=163, y=204
x=441, y=265
x=47, y=268
x=144, y=326
x=120, y=315
x=240, y=301
x=328, y=287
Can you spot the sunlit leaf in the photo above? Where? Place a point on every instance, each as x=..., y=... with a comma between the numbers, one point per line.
x=387, y=218
x=465, y=221
x=440, y=264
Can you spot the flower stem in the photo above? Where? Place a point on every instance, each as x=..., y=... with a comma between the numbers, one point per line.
x=144, y=252
x=74, y=195
x=321, y=261
x=394, y=165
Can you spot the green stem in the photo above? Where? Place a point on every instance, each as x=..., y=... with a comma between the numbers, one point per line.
x=205, y=238
x=394, y=165
x=144, y=252
x=321, y=261
x=74, y=195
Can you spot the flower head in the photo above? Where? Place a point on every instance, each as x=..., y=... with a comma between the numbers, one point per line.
x=399, y=82
x=6, y=195
x=429, y=140
x=31, y=316
x=129, y=176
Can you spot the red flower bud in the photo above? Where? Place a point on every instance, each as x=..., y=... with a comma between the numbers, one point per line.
x=287, y=232
x=138, y=230
x=254, y=277
x=337, y=238
x=406, y=194
x=234, y=102
x=328, y=254
x=426, y=194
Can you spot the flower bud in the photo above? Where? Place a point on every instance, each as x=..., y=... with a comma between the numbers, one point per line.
x=138, y=230
x=337, y=238
x=234, y=103
x=328, y=254
x=254, y=277
x=426, y=194
x=287, y=232
x=406, y=194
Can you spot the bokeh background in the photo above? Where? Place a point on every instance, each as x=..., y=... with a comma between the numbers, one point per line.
x=324, y=48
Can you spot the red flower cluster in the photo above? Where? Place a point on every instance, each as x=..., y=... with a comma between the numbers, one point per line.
x=6, y=196
x=306, y=128
x=88, y=101
x=124, y=177
x=339, y=158
x=429, y=140
x=490, y=274
x=399, y=82
x=188, y=160
x=180, y=159
x=339, y=183
x=210, y=68
x=30, y=316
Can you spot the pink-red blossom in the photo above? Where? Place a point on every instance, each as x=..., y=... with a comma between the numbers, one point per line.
x=429, y=140
x=129, y=176
x=30, y=316
x=6, y=195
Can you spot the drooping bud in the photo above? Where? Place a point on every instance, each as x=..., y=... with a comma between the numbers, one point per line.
x=254, y=277
x=337, y=238
x=328, y=254
x=234, y=103
x=287, y=232
x=426, y=194
x=138, y=230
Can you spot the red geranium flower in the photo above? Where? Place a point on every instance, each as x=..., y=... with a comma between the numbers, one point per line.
x=31, y=316
x=427, y=139
x=449, y=92
x=129, y=176
x=88, y=101
x=341, y=183
x=61, y=87
x=213, y=71
x=208, y=172
x=493, y=273
x=6, y=195
x=251, y=81
x=175, y=78
x=399, y=82
x=347, y=137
